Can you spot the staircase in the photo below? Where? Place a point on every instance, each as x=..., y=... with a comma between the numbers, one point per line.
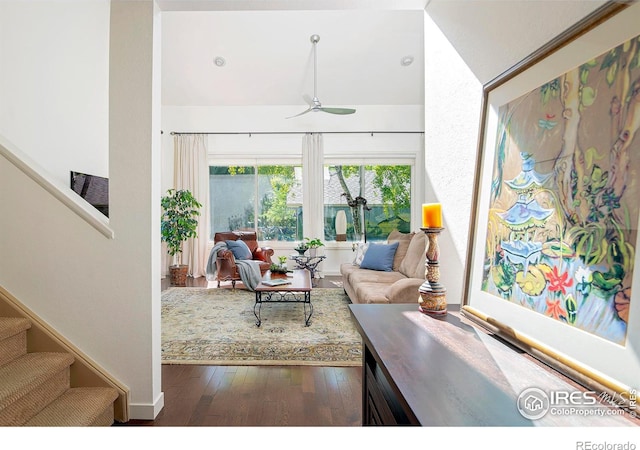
x=35, y=388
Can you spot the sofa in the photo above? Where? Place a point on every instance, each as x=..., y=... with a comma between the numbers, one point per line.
x=398, y=283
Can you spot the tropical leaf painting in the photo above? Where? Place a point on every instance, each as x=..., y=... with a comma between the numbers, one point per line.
x=563, y=214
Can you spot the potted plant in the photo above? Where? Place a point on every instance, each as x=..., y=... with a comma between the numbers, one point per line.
x=313, y=245
x=180, y=211
x=302, y=248
x=279, y=268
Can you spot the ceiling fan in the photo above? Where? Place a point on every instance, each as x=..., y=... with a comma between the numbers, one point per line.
x=314, y=104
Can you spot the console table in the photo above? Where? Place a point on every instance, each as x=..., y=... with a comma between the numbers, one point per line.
x=420, y=370
x=308, y=262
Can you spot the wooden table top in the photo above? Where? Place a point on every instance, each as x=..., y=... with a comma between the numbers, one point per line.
x=450, y=372
x=300, y=282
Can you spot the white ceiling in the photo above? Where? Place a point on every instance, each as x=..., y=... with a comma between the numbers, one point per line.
x=269, y=55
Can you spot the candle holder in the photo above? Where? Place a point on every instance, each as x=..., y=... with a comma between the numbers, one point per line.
x=433, y=299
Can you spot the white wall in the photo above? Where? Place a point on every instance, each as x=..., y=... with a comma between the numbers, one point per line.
x=102, y=294
x=493, y=35
x=452, y=110
x=54, y=83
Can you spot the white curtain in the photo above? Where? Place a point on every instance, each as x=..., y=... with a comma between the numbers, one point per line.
x=191, y=171
x=313, y=187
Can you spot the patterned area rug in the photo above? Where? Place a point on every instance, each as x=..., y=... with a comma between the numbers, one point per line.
x=218, y=327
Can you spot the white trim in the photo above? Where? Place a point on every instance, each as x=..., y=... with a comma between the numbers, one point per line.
x=64, y=194
x=147, y=411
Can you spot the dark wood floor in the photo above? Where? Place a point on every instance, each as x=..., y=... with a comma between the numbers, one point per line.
x=259, y=395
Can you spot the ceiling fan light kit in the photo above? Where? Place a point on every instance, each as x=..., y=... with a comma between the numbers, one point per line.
x=314, y=104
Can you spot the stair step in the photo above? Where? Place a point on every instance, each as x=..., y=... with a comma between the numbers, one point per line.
x=10, y=326
x=78, y=407
x=30, y=383
x=13, y=338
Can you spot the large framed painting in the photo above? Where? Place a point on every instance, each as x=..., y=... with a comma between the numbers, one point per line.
x=552, y=260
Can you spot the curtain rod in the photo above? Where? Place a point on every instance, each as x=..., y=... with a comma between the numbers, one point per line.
x=297, y=132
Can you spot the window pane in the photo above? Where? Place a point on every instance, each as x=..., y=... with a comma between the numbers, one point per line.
x=280, y=203
x=374, y=198
x=232, y=193
x=275, y=192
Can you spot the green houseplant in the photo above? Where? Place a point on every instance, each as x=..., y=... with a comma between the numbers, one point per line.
x=301, y=248
x=180, y=211
x=313, y=245
x=280, y=268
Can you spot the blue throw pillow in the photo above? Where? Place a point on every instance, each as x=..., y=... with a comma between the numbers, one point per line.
x=379, y=257
x=239, y=248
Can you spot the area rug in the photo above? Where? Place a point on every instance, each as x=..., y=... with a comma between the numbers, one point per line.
x=218, y=327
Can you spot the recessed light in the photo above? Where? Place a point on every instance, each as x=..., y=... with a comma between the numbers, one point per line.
x=407, y=60
x=219, y=61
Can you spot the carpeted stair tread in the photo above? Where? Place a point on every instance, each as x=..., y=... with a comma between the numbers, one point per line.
x=78, y=407
x=22, y=375
x=10, y=326
x=13, y=338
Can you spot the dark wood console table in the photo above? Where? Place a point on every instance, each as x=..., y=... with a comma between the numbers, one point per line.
x=419, y=370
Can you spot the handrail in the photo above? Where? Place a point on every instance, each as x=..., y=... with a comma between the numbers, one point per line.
x=64, y=194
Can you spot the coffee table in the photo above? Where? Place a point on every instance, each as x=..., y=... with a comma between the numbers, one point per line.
x=297, y=291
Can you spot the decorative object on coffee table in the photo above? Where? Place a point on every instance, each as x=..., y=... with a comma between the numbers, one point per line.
x=280, y=268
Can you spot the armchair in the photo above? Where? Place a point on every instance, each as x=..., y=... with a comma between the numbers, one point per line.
x=226, y=269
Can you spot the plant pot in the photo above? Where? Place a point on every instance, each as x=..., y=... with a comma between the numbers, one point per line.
x=300, y=251
x=275, y=275
x=313, y=252
x=178, y=275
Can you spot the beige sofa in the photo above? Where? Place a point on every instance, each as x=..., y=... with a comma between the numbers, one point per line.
x=398, y=286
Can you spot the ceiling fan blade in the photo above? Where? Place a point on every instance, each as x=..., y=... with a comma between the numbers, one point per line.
x=303, y=112
x=342, y=111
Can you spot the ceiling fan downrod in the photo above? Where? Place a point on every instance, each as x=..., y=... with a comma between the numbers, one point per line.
x=315, y=105
x=314, y=40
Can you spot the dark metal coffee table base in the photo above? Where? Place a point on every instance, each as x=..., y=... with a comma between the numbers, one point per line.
x=283, y=297
x=297, y=289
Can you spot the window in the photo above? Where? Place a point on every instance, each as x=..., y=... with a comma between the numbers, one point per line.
x=259, y=183
x=270, y=193
x=376, y=199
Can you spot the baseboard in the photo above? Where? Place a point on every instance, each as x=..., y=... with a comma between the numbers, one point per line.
x=146, y=411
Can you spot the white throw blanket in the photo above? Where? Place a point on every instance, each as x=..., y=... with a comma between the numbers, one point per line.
x=248, y=270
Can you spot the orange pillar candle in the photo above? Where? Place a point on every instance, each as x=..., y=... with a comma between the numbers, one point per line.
x=432, y=215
